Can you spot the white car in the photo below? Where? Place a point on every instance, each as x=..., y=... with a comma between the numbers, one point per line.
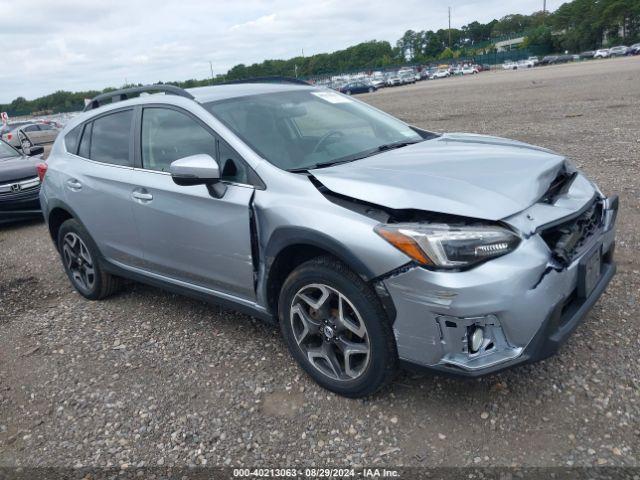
x=602, y=53
x=525, y=64
x=509, y=65
x=618, y=51
x=441, y=74
x=393, y=80
x=469, y=70
x=534, y=60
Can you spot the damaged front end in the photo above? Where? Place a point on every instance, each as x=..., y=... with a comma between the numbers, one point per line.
x=516, y=305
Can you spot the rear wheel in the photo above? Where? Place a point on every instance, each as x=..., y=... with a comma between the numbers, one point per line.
x=336, y=329
x=81, y=262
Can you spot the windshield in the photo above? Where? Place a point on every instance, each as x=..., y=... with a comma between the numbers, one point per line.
x=309, y=128
x=7, y=151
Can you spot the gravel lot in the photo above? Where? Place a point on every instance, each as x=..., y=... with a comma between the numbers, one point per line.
x=148, y=378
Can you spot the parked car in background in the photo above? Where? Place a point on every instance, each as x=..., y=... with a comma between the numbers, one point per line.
x=549, y=60
x=601, y=53
x=11, y=126
x=370, y=242
x=378, y=82
x=533, y=59
x=19, y=183
x=35, y=133
x=469, y=70
x=441, y=73
x=619, y=51
x=587, y=54
x=509, y=65
x=357, y=87
x=393, y=80
x=565, y=58
x=407, y=77
x=634, y=49
x=525, y=64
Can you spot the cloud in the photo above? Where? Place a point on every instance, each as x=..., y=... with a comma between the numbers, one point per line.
x=79, y=45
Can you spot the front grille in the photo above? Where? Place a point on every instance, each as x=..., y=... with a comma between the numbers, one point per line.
x=25, y=192
x=20, y=188
x=567, y=240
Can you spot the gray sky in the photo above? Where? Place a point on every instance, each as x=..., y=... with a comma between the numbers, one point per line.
x=83, y=44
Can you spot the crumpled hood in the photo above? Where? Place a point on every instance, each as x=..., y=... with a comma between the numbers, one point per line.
x=14, y=168
x=461, y=174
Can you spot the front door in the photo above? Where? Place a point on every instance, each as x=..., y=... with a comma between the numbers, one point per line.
x=187, y=235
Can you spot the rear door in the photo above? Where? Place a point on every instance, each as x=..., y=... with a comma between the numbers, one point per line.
x=98, y=185
x=187, y=235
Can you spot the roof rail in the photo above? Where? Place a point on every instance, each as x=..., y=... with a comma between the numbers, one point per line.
x=125, y=94
x=273, y=79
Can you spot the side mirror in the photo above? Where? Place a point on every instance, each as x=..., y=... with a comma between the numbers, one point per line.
x=199, y=169
x=32, y=151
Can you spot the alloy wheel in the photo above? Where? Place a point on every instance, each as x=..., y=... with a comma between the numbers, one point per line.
x=330, y=332
x=78, y=261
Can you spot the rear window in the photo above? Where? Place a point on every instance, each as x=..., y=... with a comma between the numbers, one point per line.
x=110, y=138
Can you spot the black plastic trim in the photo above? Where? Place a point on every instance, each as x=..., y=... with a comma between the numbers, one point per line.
x=186, y=291
x=124, y=94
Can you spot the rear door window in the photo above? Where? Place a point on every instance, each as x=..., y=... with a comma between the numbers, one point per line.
x=111, y=137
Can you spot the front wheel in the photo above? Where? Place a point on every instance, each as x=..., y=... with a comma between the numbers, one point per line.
x=336, y=328
x=370, y=89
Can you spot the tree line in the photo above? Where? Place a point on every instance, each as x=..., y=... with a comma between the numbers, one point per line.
x=575, y=26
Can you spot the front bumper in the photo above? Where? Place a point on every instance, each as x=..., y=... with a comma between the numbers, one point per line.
x=21, y=206
x=526, y=309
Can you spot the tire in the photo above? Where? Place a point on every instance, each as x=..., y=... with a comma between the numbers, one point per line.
x=370, y=90
x=80, y=255
x=348, y=92
x=357, y=374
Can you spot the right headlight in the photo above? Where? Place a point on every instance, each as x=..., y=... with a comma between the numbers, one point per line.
x=446, y=246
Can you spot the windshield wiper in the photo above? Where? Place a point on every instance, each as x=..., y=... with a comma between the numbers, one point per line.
x=319, y=165
x=400, y=144
x=357, y=156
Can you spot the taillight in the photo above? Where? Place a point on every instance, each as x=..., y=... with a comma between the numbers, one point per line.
x=42, y=170
x=9, y=136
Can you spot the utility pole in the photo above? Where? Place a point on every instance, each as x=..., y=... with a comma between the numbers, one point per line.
x=544, y=6
x=449, y=27
x=211, y=67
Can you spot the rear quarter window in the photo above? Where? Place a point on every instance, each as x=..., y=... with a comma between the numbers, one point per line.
x=72, y=139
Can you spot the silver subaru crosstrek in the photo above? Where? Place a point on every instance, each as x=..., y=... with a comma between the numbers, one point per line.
x=373, y=243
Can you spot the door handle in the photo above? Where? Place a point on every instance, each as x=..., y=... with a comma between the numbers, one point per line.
x=142, y=196
x=74, y=184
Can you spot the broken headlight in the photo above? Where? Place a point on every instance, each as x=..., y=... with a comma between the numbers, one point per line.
x=446, y=246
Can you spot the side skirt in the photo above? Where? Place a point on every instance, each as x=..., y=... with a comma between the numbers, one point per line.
x=189, y=290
